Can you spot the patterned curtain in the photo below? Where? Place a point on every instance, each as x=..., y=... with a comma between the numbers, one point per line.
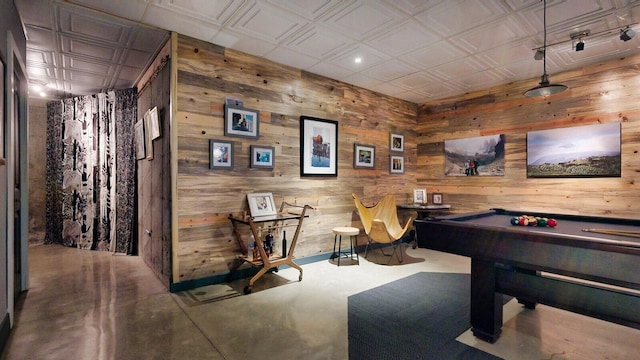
x=91, y=171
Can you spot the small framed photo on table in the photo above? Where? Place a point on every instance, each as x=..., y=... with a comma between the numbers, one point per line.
x=437, y=199
x=262, y=156
x=419, y=196
x=220, y=155
x=261, y=204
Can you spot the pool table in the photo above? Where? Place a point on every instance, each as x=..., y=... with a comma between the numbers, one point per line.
x=593, y=274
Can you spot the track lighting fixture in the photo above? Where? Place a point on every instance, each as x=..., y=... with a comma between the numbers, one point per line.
x=580, y=45
x=545, y=88
x=627, y=34
x=539, y=54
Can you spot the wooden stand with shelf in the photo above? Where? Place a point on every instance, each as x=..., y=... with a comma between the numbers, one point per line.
x=277, y=222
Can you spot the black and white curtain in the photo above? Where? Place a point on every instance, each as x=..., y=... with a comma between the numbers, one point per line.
x=91, y=171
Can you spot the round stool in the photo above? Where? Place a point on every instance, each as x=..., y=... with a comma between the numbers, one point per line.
x=352, y=233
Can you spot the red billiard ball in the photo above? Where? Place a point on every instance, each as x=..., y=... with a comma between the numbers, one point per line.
x=552, y=223
x=524, y=221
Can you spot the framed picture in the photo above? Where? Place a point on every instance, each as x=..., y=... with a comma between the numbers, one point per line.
x=397, y=164
x=262, y=156
x=364, y=156
x=437, y=199
x=2, y=130
x=139, y=134
x=475, y=156
x=240, y=121
x=318, y=147
x=580, y=151
x=261, y=204
x=396, y=142
x=419, y=196
x=148, y=141
x=221, y=154
x=154, y=123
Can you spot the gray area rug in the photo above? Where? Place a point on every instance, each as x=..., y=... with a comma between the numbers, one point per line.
x=417, y=317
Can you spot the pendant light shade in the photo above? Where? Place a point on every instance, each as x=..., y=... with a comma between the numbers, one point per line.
x=545, y=88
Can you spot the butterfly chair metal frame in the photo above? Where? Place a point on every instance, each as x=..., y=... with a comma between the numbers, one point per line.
x=381, y=224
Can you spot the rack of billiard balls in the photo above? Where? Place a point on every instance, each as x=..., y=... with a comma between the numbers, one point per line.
x=526, y=220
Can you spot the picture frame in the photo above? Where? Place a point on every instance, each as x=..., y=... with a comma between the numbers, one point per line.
x=396, y=164
x=396, y=142
x=587, y=151
x=154, y=123
x=364, y=156
x=240, y=121
x=140, y=139
x=262, y=156
x=475, y=156
x=419, y=196
x=221, y=154
x=436, y=198
x=318, y=147
x=148, y=141
x=2, y=121
x=261, y=204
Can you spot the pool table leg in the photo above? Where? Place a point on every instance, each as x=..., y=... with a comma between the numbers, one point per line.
x=486, y=304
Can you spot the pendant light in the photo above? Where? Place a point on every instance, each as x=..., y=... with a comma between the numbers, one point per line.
x=545, y=88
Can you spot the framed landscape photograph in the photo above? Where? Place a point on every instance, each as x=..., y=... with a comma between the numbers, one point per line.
x=364, y=156
x=220, y=154
x=262, y=156
x=580, y=151
x=148, y=141
x=139, y=138
x=397, y=164
x=261, y=204
x=240, y=121
x=318, y=147
x=475, y=156
x=396, y=142
x=419, y=196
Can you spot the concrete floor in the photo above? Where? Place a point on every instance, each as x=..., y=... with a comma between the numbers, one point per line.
x=95, y=305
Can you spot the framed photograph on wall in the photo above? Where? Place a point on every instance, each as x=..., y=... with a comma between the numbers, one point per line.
x=154, y=123
x=419, y=196
x=579, y=151
x=148, y=141
x=396, y=142
x=261, y=204
x=397, y=164
x=2, y=130
x=240, y=121
x=140, y=140
x=262, y=156
x=364, y=156
x=318, y=147
x=475, y=156
x=220, y=154
x=437, y=199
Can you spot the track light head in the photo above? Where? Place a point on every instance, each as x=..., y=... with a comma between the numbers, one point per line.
x=539, y=55
x=580, y=45
x=627, y=34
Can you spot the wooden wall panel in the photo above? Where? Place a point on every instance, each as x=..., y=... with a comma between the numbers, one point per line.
x=602, y=93
x=207, y=74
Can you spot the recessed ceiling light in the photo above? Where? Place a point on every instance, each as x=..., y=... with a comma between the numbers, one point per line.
x=358, y=60
x=43, y=94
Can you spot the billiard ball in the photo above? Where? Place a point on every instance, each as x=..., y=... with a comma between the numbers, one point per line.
x=542, y=222
x=552, y=223
x=524, y=221
x=514, y=220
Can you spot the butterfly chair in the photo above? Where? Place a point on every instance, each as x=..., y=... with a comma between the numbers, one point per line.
x=381, y=224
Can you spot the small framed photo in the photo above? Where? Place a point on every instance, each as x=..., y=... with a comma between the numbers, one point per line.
x=397, y=164
x=419, y=196
x=220, y=154
x=148, y=141
x=364, y=156
x=262, y=156
x=261, y=204
x=240, y=121
x=139, y=134
x=154, y=123
x=437, y=199
x=396, y=142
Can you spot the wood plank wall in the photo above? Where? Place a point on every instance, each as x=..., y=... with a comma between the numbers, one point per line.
x=206, y=75
x=602, y=93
